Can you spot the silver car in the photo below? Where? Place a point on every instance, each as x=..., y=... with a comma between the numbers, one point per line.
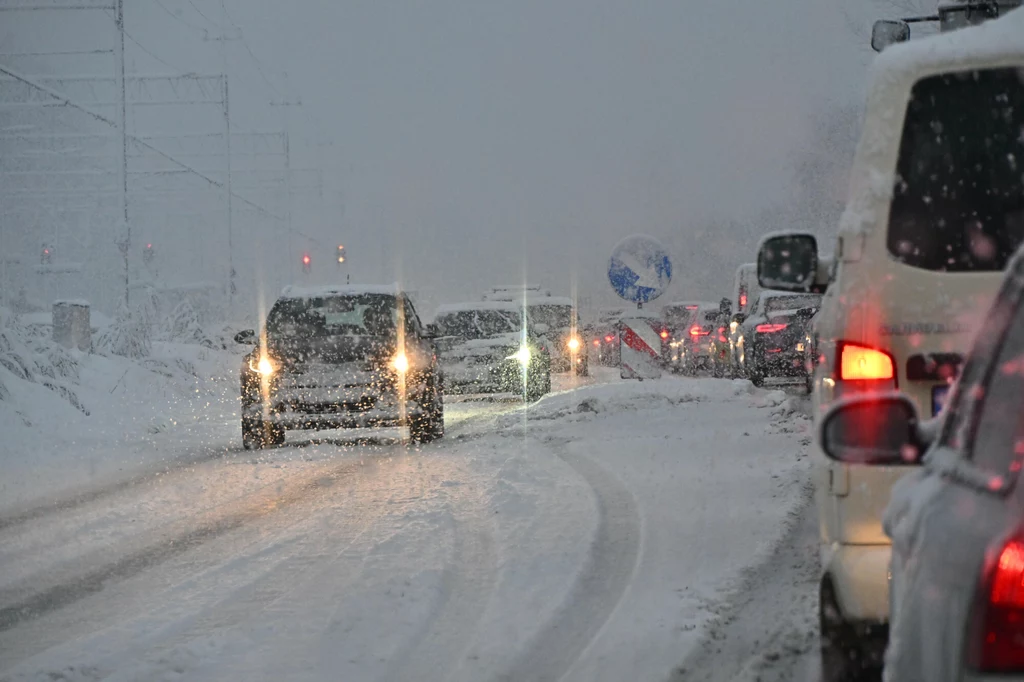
x=957, y=522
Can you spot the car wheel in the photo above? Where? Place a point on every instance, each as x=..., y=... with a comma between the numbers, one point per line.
x=756, y=377
x=430, y=426
x=535, y=390
x=257, y=434
x=845, y=657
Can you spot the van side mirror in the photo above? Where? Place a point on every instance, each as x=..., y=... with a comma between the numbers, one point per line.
x=246, y=336
x=886, y=32
x=788, y=262
x=880, y=429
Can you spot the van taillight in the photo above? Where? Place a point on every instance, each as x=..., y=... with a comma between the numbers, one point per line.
x=996, y=636
x=860, y=363
x=696, y=330
x=770, y=328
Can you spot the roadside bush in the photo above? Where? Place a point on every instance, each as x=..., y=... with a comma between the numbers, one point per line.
x=128, y=336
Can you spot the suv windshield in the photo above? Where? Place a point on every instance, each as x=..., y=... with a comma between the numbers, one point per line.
x=477, y=324
x=365, y=315
x=958, y=201
x=554, y=316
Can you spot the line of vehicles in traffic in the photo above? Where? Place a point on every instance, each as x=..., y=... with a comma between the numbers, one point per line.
x=337, y=357
x=758, y=334
x=917, y=361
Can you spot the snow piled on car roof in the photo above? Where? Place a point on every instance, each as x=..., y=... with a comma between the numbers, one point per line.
x=995, y=39
x=999, y=42
x=339, y=290
x=470, y=306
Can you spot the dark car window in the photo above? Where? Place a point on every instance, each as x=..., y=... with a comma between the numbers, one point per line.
x=477, y=324
x=554, y=316
x=958, y=200
x=777, y=303
x=366, y=315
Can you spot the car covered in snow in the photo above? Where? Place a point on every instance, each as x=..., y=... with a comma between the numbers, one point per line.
x=678, y=316
x=488, y=347
x=957, y=569
x=935, y=211
x=702, y=344
x=772, y=338
x=561, y=321
x=340, y=357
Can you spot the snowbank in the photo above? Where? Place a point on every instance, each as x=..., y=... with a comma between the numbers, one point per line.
x=71, y=421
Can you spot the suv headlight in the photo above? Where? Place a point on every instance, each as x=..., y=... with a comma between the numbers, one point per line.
x=263, y=365
x=522, y=355
x=400, y=363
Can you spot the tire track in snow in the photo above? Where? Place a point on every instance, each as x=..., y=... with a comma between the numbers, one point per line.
x=766, y=629
x=68, y=584
x=599, y=587
x=468, y=582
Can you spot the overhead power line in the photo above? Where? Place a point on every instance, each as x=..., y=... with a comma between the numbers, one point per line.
x=135, y=140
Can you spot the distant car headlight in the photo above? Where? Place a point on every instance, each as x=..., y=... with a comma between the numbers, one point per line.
x=400, y=363
x=522, y=355
x=574, y=344
x=262, y=366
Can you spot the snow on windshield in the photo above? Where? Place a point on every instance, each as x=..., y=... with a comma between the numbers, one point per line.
x=372, y=315
x=478, y=324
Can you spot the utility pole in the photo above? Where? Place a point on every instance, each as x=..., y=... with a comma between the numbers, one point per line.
x=227, y=186
x=221, y=39
x=288, y=164
x=122, y=129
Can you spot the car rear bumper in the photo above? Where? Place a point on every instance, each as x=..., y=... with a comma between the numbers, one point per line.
x=860, y=576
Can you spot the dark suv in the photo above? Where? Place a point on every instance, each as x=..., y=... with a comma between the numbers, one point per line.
x=336, y=358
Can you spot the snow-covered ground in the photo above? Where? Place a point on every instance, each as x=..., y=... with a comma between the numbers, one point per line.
x=591, y=536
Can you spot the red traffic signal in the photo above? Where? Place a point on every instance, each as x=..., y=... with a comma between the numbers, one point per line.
x=306, y=262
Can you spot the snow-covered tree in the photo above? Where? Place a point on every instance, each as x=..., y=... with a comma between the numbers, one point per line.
x=185, y=326
x=128, y=336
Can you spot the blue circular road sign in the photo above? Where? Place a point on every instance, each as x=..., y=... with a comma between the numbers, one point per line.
x=639, y=269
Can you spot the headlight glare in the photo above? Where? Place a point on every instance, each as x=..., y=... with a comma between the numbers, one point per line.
x=400, y=363
x=574, y=343
x=262, y=366
x=522, y=355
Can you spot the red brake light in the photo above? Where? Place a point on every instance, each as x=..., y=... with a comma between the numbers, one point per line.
x=770, y=328
x=691, y=307
x=695, y=330
x=609, y=338
x=996, y=641
x=721, y=335
x=859, y=363
x=663, y=334
x=743, y=300
x=597, y=342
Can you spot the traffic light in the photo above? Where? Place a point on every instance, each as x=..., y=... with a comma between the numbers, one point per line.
x=341, y=254
x=46, y=256
x=147, y=254
x=306, y=263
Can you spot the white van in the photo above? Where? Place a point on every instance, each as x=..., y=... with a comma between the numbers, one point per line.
x=936, y=209
x=745, y=288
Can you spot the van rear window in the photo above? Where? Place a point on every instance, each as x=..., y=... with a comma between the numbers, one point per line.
x=958, y=200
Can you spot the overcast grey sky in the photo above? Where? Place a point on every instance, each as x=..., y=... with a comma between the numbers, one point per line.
x=475, y=140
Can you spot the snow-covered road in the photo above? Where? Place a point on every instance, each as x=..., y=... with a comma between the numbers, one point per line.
x=594, y=535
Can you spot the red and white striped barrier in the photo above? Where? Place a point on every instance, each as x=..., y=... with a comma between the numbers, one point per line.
x=639, y=348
